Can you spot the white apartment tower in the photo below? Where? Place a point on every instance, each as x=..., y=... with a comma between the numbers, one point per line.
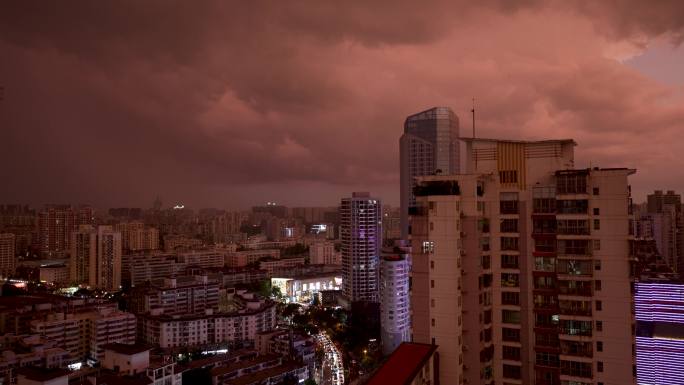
x=428, y=146
x=395, y=316
x=361, y=233
x=522, y=268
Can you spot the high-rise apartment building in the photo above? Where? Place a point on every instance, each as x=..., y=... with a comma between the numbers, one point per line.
x=20, y=221
x=659, y=308
x=108, y=258
x=57, y=222
x=136, y=237
x=361, y=233
x=428, y=146
x=323, y=253
x=83, y=256
x=7, y=255
x=664, y=211
x=96, y=257
x=522, y=268
x=395, y=316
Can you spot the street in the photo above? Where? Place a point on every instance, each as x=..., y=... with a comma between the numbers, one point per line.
x=332, y=371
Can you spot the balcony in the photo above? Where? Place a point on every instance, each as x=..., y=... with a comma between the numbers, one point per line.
x=508, y=207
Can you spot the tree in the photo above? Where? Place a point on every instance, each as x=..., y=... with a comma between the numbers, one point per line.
x=310, y=381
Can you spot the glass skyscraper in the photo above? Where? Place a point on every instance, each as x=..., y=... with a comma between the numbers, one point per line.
x=429, y=145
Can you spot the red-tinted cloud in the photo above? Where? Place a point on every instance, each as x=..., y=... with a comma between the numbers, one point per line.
x=220, y=104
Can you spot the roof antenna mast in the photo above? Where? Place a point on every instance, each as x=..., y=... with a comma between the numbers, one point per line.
x=473, y=111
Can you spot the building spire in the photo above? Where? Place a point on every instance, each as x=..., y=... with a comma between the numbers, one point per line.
x=473, y=111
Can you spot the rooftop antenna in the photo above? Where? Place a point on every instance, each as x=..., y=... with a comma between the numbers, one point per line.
x=473, y=111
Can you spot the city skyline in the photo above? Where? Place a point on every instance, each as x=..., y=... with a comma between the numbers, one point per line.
x=220, y=113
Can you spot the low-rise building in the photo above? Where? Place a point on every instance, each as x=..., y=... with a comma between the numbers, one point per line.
x=28, y=350
x=303, y=288
x=54, y=274
x=324, y=253
x=42, y=376
x=247, y=257
x=83, y=334
x=271, y=265
x=237, y=327
x=183, y=295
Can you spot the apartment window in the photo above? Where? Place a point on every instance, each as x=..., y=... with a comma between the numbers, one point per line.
x=432, y=302
x=509, y=226
x=510, y=280
x=599, y=326
x=576, y=369
x=596, y=191
x=597, y=244
x=572, y=206
x=599, y=346
x=510, y=316
x=511, y=335
x=508, y=176
x=432, y=264
x=432, y=283
x=485, y=261
x=599, y=366
x=597, y=284
x=599, y=305
x=547, y=359
x=509, y=261
x=509, y=243
x=597, y=264
x=510, y=298
x=511, y=371
x=508, y=203
x=597, y=224
x=511, y=353
x=544, y=245
x=433, y=322
x=596, y=211
x=571, y=183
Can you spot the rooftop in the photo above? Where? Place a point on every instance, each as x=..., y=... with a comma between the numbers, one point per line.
x=257, y=377
x=243, y=364
x=126, y=348
x=403, y=365
x=41, y=374
x=572, y=141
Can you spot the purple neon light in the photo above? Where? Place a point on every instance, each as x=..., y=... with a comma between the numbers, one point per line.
x=659, y=361
x=659, y=302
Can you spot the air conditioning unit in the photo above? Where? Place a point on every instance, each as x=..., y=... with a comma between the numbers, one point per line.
x=463, y=253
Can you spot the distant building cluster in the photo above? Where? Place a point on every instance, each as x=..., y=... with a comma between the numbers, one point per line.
x=503, y=264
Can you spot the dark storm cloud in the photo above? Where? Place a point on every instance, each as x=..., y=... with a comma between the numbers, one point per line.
x=113, y=102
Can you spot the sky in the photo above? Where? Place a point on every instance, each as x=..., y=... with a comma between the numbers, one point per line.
x=232, y=103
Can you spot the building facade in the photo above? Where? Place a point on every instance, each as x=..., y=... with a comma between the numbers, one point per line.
x=395, y=316
x=522, y=268
x=108, y=258
x=659, y=311
x=429, y=143
x=361, y=234
x=7, y=254
x=57, y=222
x=83, y=256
